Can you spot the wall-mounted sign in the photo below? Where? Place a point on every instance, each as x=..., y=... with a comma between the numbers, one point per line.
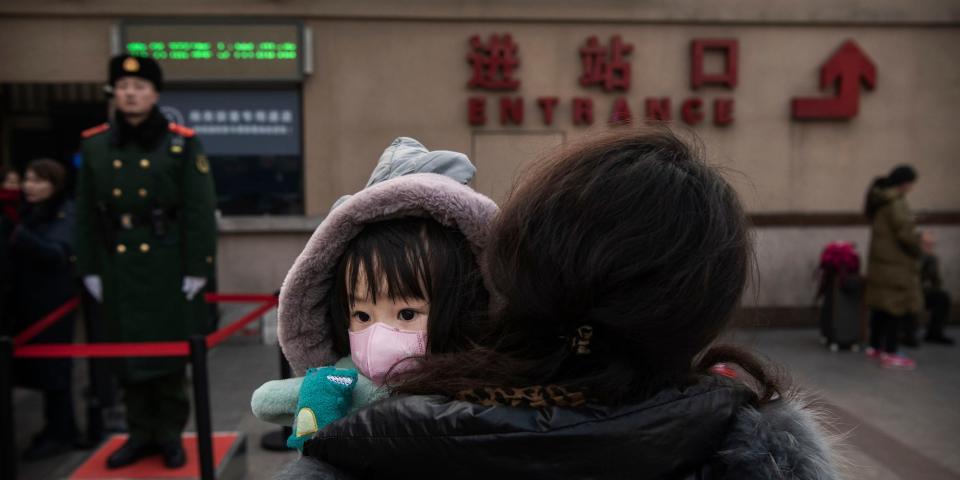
x=844, y=71
x=238, y=122
x=494, y=65
x=222, y=52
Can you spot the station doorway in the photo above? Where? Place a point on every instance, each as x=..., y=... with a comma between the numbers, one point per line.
x=45, y=121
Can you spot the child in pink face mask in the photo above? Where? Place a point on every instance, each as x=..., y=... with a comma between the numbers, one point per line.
x=425, y=287
x=390, y=275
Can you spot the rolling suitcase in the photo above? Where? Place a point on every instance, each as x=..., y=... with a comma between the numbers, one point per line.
x=841, y=314
x=841, y=291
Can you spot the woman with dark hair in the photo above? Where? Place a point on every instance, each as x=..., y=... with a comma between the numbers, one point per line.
x=614, y=267
x=893, y=292
x=42, y=257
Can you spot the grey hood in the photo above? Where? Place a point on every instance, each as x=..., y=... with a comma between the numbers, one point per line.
x=406, y=156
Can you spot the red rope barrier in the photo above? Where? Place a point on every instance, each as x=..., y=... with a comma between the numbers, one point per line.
x=100, y=350
x=239, y=298
x=45, y=322
x=220, y=335
x=134, y=349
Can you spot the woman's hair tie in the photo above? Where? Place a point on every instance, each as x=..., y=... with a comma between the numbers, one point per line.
x=580, y=342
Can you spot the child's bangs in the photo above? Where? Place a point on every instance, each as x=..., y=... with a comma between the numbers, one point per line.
x=388, y=259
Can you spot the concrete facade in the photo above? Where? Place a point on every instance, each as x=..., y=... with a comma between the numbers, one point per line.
x=384, y=69
x=786, y=259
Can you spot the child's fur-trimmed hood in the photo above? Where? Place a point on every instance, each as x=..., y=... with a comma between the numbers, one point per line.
x=396, y=189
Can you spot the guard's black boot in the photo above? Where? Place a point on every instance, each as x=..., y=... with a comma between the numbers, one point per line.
x=129, y=453
x=173, y=454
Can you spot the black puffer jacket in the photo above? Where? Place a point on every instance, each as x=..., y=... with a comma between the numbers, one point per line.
x=707, y=430
x=42, y=256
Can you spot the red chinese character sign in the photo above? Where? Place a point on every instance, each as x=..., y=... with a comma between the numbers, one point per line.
x=493, y=63
x=845, y=69
x=726, y=78
x=606, y=66
x=691, y=110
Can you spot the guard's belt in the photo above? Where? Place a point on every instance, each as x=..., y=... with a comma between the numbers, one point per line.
x=129, y=221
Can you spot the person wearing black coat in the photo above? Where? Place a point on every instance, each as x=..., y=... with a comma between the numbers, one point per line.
x=936, y=300
x=9, y=206
x=614, y=267
x=42, y=259
x=706, y=430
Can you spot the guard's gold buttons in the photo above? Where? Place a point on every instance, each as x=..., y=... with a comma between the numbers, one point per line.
x=209, y=259
x=117, y=164
x=176, y=149
x=144, y=247
x=144, y=163
x=142, y=192
x=117, y=192
x=121, y=248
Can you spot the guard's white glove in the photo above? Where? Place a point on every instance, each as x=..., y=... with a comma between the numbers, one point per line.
x=192, y=285
x=94, y=286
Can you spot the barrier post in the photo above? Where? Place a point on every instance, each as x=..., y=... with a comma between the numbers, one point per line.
x=8, y=447
x=277, y=439
x=201, y=399
x=285, y=372
x=99, y=392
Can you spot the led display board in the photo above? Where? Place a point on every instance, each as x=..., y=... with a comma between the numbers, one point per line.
x=220, y=52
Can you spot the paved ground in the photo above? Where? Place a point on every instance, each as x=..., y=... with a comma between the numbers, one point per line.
x=902, y=425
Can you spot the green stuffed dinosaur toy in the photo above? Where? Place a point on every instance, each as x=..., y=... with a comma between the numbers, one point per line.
x=310, y=402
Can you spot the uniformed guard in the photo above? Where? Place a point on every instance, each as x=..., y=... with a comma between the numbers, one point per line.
x=145, y=247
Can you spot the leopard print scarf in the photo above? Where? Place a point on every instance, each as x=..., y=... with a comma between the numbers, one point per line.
x=535, y=396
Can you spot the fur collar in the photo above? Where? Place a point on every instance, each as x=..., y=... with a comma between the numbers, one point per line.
x=785, y=439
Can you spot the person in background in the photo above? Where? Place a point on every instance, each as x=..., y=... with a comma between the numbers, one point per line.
x=9, y=194
x=893, y=291
x=9, y=204
x=146, y=237
x=41, y=255
x=936, y=300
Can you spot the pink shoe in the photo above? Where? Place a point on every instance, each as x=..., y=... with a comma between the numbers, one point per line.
x=872, y=353
x=896, y=362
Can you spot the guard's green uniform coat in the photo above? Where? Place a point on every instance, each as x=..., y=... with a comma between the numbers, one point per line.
x=142, y=269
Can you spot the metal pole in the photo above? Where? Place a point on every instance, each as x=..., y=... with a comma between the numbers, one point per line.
x=285, y=373
x=277, y=439
x=8, y=448
x=96, y=393
x=201, y=400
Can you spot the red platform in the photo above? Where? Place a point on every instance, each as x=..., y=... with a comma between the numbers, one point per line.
x=225, y=445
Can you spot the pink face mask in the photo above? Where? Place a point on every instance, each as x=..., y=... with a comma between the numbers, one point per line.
x=379, y=347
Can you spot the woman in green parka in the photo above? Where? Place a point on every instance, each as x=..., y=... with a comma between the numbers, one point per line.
x=893, y=270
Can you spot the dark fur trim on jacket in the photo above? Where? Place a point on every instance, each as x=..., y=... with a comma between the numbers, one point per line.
x=785, y=439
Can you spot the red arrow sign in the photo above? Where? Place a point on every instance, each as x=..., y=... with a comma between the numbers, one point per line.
x=845, y=68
